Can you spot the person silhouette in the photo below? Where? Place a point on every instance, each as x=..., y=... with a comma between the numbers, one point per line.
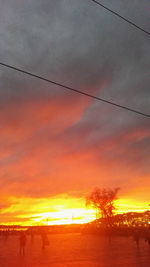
x=22, y=243
x=45, y=241
x=136, y=237
x=32, y=237
x=147, y=238
x=6, y=235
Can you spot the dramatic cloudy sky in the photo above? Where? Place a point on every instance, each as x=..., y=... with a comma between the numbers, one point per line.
x=59, y=143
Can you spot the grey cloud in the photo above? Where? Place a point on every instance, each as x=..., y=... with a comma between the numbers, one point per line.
x=82, y=45
x=72, y=41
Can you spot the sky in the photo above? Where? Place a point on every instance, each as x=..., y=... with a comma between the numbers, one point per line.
x=56, y=146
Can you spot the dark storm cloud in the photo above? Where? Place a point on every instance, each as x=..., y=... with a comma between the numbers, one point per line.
x=82, y=45
x=73, y=41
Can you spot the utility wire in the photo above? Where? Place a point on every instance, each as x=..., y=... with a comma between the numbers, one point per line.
x=72, y=89
x=121, y=17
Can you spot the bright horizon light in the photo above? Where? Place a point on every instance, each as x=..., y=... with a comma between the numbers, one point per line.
x=49, y=211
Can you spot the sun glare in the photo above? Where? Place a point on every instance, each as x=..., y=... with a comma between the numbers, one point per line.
x=61, y=209
x=66, y=216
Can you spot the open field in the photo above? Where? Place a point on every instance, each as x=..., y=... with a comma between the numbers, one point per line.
x=75, y=250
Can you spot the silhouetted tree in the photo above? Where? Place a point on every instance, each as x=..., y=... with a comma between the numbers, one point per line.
x=103, y=201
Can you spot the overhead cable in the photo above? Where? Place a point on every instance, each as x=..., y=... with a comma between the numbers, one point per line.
x=121, y=17
x=72, y=89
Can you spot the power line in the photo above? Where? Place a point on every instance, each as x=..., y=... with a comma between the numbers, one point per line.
x=72, y=89
x=121, y=17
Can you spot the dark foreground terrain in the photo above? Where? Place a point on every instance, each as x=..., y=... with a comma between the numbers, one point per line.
x=75, y=250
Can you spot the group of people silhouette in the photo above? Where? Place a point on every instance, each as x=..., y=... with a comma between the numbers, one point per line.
x=137, y=235
x=23, y=241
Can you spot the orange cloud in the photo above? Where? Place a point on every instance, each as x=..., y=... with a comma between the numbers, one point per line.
x=51, y=147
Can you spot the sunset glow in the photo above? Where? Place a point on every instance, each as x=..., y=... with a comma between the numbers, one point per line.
x=49, y=170
x=57, y=145
x=74, y=133
x=60, y=210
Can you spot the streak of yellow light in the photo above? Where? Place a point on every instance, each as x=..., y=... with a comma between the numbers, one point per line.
x=58, y=210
